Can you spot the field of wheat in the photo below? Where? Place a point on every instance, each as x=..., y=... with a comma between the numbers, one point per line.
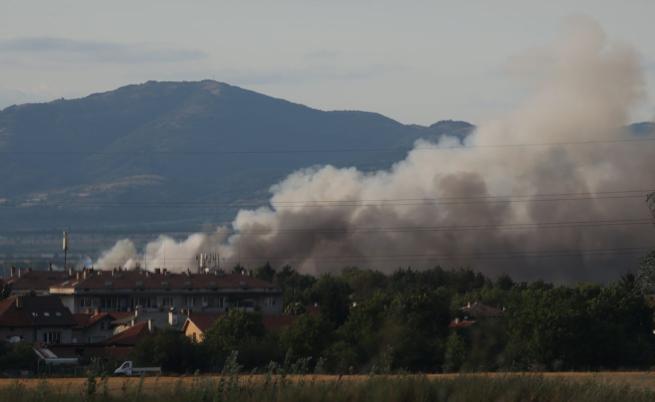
x=491, y=387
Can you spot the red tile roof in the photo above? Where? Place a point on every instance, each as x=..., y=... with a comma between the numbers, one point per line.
x=95, y=279
x=278, y=322
x=130, y=336
x=85, y=320
x=204, y=321
x=34, y=311
x=82, y=319
x=458, y=324
x=36, y=280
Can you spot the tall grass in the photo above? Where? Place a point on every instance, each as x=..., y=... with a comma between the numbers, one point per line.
x=278, y=388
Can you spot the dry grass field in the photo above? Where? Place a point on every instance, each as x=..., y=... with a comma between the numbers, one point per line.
x=640, y=380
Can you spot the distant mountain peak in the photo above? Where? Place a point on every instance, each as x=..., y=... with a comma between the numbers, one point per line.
x=183, y=133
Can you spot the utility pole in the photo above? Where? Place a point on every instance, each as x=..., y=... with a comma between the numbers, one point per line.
x=64, y=246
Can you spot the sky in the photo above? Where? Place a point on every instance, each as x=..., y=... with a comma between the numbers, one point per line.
x=414, y=61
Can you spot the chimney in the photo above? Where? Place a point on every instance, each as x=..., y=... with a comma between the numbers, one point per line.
x=13, y=271
x=158, y=271
x=77, y=276
x=20, y=271
x=172, y=317
x=137, y=309
x=165, y=271
x=150, y=326
x=50, y=267
x=70, y=272
x=84, y=273
x=19, y=302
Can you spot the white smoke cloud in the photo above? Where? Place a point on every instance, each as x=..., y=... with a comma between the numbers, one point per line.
x=586, y=95
x=122, y=254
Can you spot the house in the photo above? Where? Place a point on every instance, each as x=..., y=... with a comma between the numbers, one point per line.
x=116, y=348
x=460, y=324
x=480, y=310
x=96, y=327
x=161, y=291
x=131, y=336
x=34, y=318
x=197, y=325
x=472, y=313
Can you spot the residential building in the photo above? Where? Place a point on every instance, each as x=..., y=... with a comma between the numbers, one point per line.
x=161, y=291
x=197, y=325
x=96, y=327
x=131, y=336
x=27, y=281
x=42, y=319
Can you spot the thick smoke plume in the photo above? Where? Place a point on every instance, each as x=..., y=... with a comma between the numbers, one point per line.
x=457, y=206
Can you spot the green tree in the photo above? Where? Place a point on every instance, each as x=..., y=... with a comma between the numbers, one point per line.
x=455, y=353
x=646, y=274
x=416, y=328
x=265, y=272
x=18, y=356
x=239, y=331
x=170, y=349
x=293, y=285
x=306, y=337
x=232, y=330
x=332, y=295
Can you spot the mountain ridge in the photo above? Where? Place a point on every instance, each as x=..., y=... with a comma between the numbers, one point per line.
x=101, y=148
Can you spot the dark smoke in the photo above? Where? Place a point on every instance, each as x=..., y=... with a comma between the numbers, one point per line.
x=482, y=190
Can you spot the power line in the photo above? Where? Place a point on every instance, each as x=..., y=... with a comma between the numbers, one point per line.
x=332, y=150
x=456, y=228
x=419, y=229
x=455, y=200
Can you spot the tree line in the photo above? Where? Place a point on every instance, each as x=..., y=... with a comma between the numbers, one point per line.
x=363, y=321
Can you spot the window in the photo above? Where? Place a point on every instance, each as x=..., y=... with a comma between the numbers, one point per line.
x=85, y=302
x=189, y=301
x=167, y=301
x=52, y=337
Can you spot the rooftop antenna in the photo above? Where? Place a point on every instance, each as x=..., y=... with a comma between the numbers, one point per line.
x=64, y=246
